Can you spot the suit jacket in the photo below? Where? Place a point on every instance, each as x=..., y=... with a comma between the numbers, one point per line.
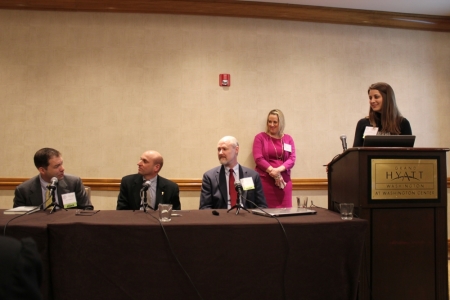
x=29, y=193
x=167, y=192
x=21, y=264
x=214, y=192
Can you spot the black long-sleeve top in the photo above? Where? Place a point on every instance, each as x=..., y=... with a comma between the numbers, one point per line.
x=405, y=129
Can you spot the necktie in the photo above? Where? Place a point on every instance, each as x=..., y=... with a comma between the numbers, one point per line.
x=48, y=197
x=150, y=198
x=231, y=189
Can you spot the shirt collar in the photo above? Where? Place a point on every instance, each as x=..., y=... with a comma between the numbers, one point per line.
x=152, y=181
x=44, y=183
x=235, y=169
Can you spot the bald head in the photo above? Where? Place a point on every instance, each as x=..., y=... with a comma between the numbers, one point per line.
x=155, y=156
x=150, y=163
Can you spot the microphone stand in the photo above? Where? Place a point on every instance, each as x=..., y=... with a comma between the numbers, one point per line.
x=238, y=205
x=144, y=202
x=54, y=203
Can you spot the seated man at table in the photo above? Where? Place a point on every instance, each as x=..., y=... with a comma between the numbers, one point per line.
x=160, y=190
x=69, y=190
x=218, y=189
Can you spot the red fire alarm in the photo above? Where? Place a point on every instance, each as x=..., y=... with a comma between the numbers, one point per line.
x=224, y=80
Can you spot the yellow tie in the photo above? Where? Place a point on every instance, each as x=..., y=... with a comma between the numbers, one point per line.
x=48, y=197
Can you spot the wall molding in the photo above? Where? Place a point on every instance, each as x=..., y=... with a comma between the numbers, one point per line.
x=191, y=184
x=243, y=9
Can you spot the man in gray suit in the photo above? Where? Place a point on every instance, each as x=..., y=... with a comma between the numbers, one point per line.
x=216, y=187
x=49, y=163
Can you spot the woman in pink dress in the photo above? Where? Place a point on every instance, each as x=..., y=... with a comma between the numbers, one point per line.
x=274, y=154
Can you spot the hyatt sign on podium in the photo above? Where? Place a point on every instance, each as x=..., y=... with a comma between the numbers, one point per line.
x=404, y=179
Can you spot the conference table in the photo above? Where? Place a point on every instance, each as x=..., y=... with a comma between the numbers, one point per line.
x=198, y=255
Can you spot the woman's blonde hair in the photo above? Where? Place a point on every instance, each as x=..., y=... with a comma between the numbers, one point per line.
x=281, y=123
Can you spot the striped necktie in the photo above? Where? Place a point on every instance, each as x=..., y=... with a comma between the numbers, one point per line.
x=48, y=197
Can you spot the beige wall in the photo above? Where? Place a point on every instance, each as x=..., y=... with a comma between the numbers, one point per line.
x=104, y=87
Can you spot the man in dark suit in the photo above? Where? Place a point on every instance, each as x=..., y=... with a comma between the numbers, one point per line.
x=21, y=274
x=33, y=192
x=161, y=190
x=216, y=187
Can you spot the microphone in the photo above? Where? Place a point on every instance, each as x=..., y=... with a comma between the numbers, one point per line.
x=53, y=183
x=344, y=142
x=238, y=188
x=145, y=186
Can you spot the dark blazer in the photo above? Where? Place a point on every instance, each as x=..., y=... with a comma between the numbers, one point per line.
x=21, y=274
x=214, y=192
x=29, y=193
x=167, y=192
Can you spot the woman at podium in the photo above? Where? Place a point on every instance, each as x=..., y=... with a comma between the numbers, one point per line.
x=274, y=154
x=384, y=116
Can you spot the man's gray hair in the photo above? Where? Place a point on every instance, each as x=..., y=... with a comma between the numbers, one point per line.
x=231, y=139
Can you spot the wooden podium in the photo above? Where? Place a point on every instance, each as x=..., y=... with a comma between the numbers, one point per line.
x=402, y=192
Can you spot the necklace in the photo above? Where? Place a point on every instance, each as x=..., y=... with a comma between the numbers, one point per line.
x=276, y=152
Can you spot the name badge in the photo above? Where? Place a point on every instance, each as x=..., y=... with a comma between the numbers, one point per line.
x=370, y=131
x=287, y=147
x=247, y=183
x=69, y=200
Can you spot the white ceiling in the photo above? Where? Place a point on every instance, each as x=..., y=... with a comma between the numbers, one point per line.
x=423, y=7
